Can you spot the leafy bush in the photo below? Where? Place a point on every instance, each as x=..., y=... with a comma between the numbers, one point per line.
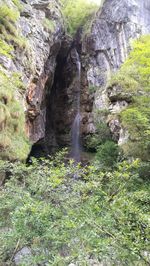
x=97, y=218
x=76, y=13
x=107, y=154
x=95, y=140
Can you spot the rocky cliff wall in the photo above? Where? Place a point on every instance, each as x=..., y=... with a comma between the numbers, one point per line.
x=47, y=65
x=105, y=49
x=102, y=51
x=32, y=31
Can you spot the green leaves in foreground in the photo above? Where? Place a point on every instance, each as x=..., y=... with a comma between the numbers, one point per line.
x=101, y=217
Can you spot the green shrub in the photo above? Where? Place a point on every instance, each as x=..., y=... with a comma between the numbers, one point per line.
x=133, y=78
x=13, y=142
x=64, y=220
x=76, y=13
x=107, y=154
x=102, y=134
x=17, y=4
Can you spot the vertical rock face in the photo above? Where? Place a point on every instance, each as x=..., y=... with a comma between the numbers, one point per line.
x=48, y=67
x=101, y=53
x=107, y=47
x=62, y=100
x=40, y=25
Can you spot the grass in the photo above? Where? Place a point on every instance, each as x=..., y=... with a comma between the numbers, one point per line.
x=8, y=30
x=13, y=141
x=5, y=49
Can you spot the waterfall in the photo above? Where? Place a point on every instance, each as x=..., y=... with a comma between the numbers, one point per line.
x=75, y=130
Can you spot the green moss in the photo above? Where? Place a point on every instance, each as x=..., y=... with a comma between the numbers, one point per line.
x=8, y=14
x=49, y=24
x=92, y=88
x=8, y=30
x=17, y=4
x=5, y=49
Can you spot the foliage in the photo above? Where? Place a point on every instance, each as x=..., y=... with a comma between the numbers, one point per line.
x=101, y=135
x=97, y=218
x=8, y=30
x=5, y=49
x=76, y=13
x=107, y=154
x=13, y=143
x=8, y=14
x=134, y=80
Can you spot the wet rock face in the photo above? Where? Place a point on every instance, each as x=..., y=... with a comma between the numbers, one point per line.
x=107, y=47
x=62, y=99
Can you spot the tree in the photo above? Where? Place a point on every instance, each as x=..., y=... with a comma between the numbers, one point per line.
x=102, y=217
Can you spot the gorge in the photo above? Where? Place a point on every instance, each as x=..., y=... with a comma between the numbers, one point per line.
x=51, y=74
x=75, y=128
x=102, y=52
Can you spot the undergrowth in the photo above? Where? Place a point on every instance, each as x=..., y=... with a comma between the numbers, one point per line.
x=99, y=217
x=76, y=13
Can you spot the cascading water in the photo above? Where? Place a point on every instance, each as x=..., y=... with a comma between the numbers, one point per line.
x=75, y=131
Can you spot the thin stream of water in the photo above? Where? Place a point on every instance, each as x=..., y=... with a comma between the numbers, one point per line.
x=75, y=154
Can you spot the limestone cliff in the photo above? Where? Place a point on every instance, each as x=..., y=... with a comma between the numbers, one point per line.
x=44, y=58
x=30, y=35
x=105, y=48
x=102, y=51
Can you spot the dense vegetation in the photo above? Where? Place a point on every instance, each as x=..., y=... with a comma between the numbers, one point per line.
x=66, y=214
x=12, y=118
x=76, y=13
x=133, y=80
